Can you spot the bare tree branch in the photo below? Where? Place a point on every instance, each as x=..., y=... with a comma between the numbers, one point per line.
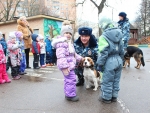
x=81, y=3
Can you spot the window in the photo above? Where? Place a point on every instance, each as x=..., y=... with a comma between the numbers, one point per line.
x=36, y=31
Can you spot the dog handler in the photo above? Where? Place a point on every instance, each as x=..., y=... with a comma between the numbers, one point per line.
x=110, y=61
x=124, y=25
x=86, y=46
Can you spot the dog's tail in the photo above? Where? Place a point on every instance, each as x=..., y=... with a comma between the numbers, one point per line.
x=142, y=59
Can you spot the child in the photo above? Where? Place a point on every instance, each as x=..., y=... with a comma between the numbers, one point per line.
x=66, y=60
x=110, y=61
x=19, y=36
x=14, y=55
x=35, y=51
x=3, y=43
x=3, y=75
x=49, y=52
x=42, y=51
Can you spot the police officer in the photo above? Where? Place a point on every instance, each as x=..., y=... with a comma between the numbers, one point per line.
x=86, y=46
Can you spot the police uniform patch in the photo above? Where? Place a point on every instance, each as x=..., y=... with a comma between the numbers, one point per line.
x=89, y=52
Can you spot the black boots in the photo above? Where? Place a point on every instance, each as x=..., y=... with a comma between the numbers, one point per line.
x=36, y=65
x=80, y=82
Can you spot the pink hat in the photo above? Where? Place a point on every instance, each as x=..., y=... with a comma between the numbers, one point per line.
x=18, y=34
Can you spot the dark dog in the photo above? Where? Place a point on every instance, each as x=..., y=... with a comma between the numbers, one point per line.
x=136, y=53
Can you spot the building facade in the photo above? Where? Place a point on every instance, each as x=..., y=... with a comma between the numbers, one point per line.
x=41, y=24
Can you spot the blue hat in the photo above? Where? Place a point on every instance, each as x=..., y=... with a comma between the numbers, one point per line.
x=85, y=31
x=123, y=14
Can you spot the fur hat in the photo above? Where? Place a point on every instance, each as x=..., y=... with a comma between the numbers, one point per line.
x=85, y=31
x=40, y=37
x=122, y=14
x=18, y=34
x=66, y=27
x=12, y=35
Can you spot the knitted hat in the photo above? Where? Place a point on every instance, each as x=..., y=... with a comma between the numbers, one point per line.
x=12, y=35
x=106, y=23
x=122, y=14
x=66, y=27
x=40, y=37
x=18, y=34
x=85, y=31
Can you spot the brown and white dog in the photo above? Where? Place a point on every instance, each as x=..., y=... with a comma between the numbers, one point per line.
x=92, y=77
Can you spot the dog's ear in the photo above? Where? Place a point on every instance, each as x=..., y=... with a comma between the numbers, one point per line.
x=81, y=62
x=91, y=62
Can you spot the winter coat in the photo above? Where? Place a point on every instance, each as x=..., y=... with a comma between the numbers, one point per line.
x=110, y=47
x=35, y=45
x=23, y=59
x=65, y=59
x=3, y=43
x=124, y=25
x=42, y=47
x=21, y=48
x=14, y=53
x=27, y=31
x=90, y=51
x=48, y=46
x=110, y=59
x=2, y=55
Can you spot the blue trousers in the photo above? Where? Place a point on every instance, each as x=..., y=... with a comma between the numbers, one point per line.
x=49, y=58
x=23, y=63
x=42, y=58
x=111, y=78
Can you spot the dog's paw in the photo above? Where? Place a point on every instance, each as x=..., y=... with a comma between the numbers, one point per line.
x=123, y=66
x=87, y=87
x=95, y=89
x=137, y=67
x=128, y=65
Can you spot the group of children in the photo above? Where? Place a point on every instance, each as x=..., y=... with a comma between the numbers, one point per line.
x=16, y=55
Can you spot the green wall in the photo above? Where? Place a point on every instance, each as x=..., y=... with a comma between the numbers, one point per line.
x=52, y=27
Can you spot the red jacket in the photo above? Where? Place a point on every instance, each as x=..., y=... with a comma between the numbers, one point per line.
x=36, y=48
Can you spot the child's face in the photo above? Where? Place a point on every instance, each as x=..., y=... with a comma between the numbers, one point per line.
x=68, y=35
x=37, y=39
x=13, y=40
x=41, y=40
x=120, y=18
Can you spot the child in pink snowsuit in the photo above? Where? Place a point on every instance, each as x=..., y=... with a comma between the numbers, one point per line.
x=66, y=60
x=3, y=74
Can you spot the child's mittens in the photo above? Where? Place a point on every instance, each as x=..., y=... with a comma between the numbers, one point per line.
x=66, y=71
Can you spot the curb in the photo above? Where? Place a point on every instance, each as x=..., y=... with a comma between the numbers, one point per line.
x=145, y=45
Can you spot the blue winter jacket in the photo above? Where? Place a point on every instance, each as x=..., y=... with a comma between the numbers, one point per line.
x=35, y=45
x=48, y=45
x=110, y=47
x=3, y=43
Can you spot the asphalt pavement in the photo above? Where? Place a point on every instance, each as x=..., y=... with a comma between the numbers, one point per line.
x=41, y=91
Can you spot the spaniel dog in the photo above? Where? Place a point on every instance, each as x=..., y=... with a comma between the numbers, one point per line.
x=92, y=77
